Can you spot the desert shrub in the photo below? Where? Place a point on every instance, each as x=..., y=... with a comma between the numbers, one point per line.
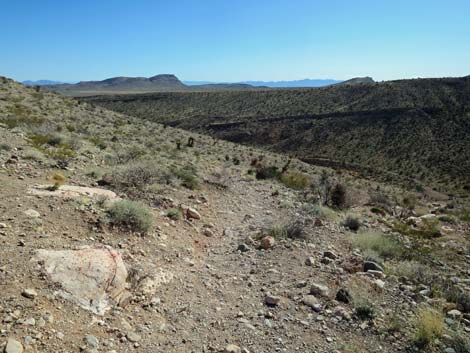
x=129, y=154
x=323, y=188
x=291, y=230
x=447, y=219
x=58, y=180
x=54, y=145
x=352, y=223
x=379, y=243
x=98, y=142
x=33, y=155
x=188, y=176
x=266, y=172
x=338, y=196
x=174, y=214
x=131, y=215
x=295, y=180
x=464, y=215
x=5, y=147
x=135, y=177
x=456, y=295
x=409, y=201
x=379, y=199
x=428, y=229
x=94, y=172
x=378, y=211
x=363, y=298
x=413, y=271
x=429, y=326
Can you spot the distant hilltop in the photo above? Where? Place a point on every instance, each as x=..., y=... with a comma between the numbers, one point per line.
x=171, y=83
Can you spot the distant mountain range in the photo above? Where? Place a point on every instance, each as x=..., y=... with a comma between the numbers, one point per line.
x=278, y=84
x=42, y=83
x=170, y=83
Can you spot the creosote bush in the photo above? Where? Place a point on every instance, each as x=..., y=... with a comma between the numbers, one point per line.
x=295, y=180
x=131, y=215
x=352, y=223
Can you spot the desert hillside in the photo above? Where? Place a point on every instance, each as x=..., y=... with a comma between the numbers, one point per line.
x=410, y=130
x=121, y=234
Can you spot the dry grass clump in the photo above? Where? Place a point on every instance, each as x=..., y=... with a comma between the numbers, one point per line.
x=292, y=230
x=58, y=180
x=429, y=326
x=364, y=298
x=413, y=271
x=379, y=243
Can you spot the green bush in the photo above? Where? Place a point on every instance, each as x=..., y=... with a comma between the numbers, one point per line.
x=131, y=215
x=295, y=180
x=174, y=214
x=188, y=177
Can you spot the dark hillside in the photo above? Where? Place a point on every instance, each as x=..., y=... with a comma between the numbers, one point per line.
x=412, y=129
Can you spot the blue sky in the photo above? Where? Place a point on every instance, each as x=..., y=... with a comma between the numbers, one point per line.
x=234, y=40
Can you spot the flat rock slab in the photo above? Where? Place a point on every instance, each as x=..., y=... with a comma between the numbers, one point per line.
x=72, y=192
x=92, y=277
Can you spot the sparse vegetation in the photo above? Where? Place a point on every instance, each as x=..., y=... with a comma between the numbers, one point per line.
x=352, y=223
x=295, y=180
x=174, y=214
x=384, y=246
x=131, y=215
x=429, y=326
x=291, y=230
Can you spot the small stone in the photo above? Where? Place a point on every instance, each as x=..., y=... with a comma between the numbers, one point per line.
x=30, y=322
x=32, y=213
x=267, y=242
x=425, y=292
x=192, y=213
x=318, y=289
x=243, y=248
x=208, y=233
x=231, y=348
x=309, y=261
x=3, y=225
x=133, y=337
x=449, y=350
x=310, y=301
x=330, y=255
x=370, y=265
x=379, y=283
x=454, y=314
x=91, y=341
x=13, y=346
x=28, y=340
x=272, y=300
x=29, y=293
